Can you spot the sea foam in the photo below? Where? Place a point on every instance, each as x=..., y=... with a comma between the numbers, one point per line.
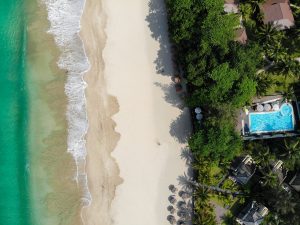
x=64, y=17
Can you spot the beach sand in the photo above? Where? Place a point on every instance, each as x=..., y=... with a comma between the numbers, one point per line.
x=129, y=52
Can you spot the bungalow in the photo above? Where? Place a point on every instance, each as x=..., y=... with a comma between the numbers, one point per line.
x=278, y=13
x=242, y=170
x=279, y=170
x=253, y=214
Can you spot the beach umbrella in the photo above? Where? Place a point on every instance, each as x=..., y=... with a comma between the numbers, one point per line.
x=172, y=199
x=171, y=219
x=267, y=107
x=198, y=110
x=172, y=188
x=185, y=196
x=259, y=108
x=276, y=107
x=171, y=209
x=182, y=204
x=199, y=116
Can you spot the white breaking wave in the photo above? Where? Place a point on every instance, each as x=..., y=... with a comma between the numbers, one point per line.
x=64, y=17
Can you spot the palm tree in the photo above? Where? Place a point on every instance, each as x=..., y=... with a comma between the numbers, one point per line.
x=262, y=155
x=291, y=154
x=284, y=202
x=291, y=146
x=269, y=34
x=204, y=212
x=264, y=82
x=287, y=66
x=274, y=219
x=191, y=184
x=275, y=51
x=288, y=93
x=269, y=178
x=256, y=5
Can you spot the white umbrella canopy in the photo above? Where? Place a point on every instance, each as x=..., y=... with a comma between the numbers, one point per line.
x=267, y=107
x=276, y=107
x=259, y=108
x=199, y=116
x=198, y=110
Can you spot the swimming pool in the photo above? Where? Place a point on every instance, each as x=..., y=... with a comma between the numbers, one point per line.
x=281, y=120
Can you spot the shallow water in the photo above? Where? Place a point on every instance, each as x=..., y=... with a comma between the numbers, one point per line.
x=37, y=182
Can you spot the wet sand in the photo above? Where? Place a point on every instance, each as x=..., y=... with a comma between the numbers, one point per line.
x=101, y=139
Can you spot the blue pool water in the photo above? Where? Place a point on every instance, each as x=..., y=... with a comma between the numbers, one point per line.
x=281, y=120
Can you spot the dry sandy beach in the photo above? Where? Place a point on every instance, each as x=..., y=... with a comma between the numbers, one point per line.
x=135, y=138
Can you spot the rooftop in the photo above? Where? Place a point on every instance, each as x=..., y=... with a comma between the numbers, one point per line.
x=242, y=169
x=252, y=214
x=279, y=170
x=241, y=35
x=278, y=12
x=231, y=6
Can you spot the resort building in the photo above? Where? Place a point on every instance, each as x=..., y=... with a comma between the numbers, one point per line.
x=252, y=214
x=278, y=13
x=242, y=169
x=279, y=170
x=269, y=117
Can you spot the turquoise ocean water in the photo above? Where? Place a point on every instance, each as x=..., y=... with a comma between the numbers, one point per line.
x=14, y=202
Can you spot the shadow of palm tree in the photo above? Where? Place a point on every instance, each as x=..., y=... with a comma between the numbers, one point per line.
x=187, y=155
x=157, y=23
x=186, y=182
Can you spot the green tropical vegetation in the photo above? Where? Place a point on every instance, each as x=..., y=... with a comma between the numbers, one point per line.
x=223, y=76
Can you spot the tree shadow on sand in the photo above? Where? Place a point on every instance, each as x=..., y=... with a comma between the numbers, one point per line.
x=187, y=155
x=170, y=95
x=157, y=23
x=186, y=182
x=180, y=127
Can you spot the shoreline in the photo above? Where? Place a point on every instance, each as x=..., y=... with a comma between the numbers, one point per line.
x=49, y=156
x=74, y=61
x=102, y=170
